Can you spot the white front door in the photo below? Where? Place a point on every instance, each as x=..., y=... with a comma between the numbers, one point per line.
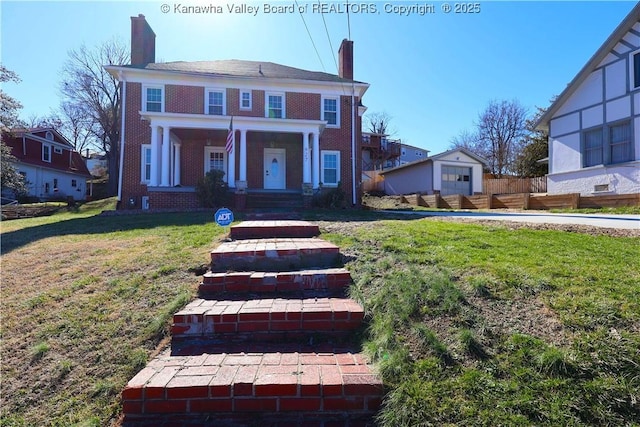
x=274, y=169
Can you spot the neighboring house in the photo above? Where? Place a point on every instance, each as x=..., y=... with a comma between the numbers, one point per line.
x=96, y=163
x=291, y=131
x=379, y=152
x=594, y=125
x=49, y=163
x=456, y=171
x=409, y=153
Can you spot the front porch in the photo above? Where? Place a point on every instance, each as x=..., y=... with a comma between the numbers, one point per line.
x=259, y=156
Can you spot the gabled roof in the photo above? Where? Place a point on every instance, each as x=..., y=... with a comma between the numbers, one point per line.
x=436, y=157
x=241, y=68
x=626, y=24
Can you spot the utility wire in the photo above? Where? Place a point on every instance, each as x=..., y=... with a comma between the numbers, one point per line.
x=333, y=53
x=311, y=38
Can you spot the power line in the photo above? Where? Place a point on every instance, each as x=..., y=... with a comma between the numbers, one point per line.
x=311, y=38
x=333, y=53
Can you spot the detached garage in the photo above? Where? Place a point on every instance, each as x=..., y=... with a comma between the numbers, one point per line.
x=456, y=171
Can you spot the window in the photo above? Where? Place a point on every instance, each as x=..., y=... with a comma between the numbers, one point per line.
x=57, y=150
x=152, y=100
x=215, y=159
x=215, y=102
x=275, y=106
x=49, y=135
x=74, y=183
x=600, y=187
x=46, y=153
x=55, y=184
x=330, y=111
x=245, y=100
x=145, y=164
x=620, y=143
x=330, y=168
x=635, y=71
x=593, y=147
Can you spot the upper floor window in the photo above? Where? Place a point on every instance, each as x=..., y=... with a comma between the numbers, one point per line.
x=152, y=98
x=611, y=143
x=635, y=70
x=46, y=153
x=215, y=102
x=49, y=135
x=330, y=111
x=245, y=100
x=57, y=150
x=275, y=107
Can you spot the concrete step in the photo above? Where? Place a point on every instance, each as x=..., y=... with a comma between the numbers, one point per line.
x=264, y=379
x=284, y=254
x=266, y=319
x=273, y=229
x=329, y=280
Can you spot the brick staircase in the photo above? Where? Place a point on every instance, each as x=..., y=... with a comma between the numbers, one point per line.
x=269, y=342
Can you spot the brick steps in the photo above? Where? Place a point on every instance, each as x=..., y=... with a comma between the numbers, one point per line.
x=246, y=379
x=273, y=229
x=266, y=318
x=277, y=254
x=267, y=344
x=329, y=279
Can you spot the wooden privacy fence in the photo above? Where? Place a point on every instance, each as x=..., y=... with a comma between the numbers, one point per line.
x=374, y=183
x=514, y=185
x=521, y=201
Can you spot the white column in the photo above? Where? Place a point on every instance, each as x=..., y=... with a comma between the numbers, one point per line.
x=306, y=159
x=155, y=157
x=166, y=153
x=176, y=166
x=231, y=169
x=243, y=155
x=316, y=160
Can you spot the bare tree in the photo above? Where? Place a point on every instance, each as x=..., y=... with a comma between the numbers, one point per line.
x=91, y=92
x=78, y=128
x=498, y=135
x=380, y=122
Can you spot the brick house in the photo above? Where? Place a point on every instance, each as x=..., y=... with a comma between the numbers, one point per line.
x=292, y=134
x=51, y=167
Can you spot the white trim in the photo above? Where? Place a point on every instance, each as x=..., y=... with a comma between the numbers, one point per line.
x=57, y=150
x=223, y=91
x=632, y=74
x=250, y=107
x=322, y=168
x=208, y=151
x=159, y=77
x=143, y=148
x=145, y=87
x=48, y=135
x=266, y=104
x=322, y=110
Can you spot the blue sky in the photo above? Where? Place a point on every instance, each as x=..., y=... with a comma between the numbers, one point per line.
x=432, y=73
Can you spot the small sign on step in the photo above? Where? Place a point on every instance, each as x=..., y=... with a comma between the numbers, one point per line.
x=223, y=217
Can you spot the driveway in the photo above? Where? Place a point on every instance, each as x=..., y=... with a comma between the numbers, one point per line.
x=627, y=222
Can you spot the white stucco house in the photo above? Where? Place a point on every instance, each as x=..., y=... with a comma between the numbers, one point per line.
x=457, y=171
x=594, y=125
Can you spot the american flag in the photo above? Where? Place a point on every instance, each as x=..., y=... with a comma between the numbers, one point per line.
x=229, y=146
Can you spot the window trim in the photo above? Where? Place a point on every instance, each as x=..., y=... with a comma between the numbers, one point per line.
x=250, y=107
x=605, y=129
x=57, y=150
x=224, y=100
x=46, y=148
x=322, y=168
x=225, y=161
x=323, y=111
x=144, y=97
x=143, y=163
x=266, y=104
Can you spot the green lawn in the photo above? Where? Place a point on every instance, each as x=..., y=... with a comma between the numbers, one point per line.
x=469, y=324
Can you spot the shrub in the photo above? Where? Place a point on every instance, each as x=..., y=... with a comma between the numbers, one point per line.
x=329, y=198
x=212, y=191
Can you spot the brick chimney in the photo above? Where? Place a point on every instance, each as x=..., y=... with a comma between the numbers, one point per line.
x=345, y=54
x=143, y=41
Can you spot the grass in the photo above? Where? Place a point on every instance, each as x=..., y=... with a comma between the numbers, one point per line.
x=482, y=325
x=468, y=324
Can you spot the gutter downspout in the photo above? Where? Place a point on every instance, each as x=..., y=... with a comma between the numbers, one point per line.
x=123, y=111
x=353, y=144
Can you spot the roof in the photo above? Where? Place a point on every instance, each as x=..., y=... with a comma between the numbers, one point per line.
x=436, y=157
x=241, y=68
x=626, y=24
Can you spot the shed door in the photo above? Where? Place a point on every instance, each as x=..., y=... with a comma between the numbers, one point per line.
x=456, y=180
